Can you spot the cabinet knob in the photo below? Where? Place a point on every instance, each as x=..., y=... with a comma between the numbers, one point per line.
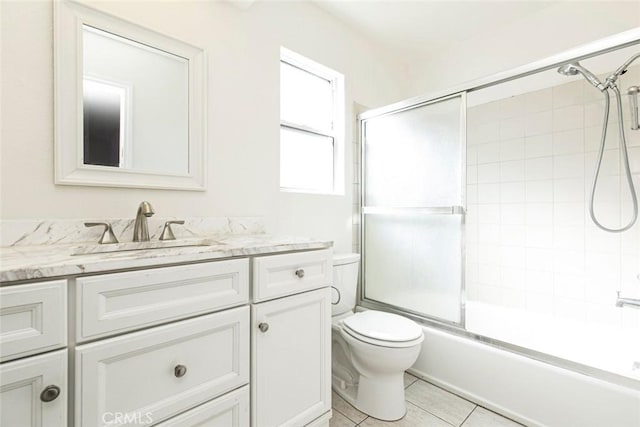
x=264, y=327
x=50, y=393
x=180, y=371
x=300, y=273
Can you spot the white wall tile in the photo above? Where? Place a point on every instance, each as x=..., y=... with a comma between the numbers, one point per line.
x=540, y=100
x=539, y=146
x=568, y=166
x=568, y=94
x=512, y=213
x=513, y=106
x=472, y=174
x=538, y=123
x=568, y=237
x=512, y=235
x=539, y=236
x=512, y=128
x=472, y=194
x=568, y=118
x=568, y=142
x=488, y=274
x=512, y=170
x=489, y=153
x=489, y=214
x=568, y=190
x=539, y=281
x=488, y=193
x=472, y=155
x=569, y=213
x=488, y=172
x=539, y=259
x=539, y=213
x=512, y=192
x=513, y=256
x=512, y=149
x=483, y=132
x=539, y=168
x=539, y=191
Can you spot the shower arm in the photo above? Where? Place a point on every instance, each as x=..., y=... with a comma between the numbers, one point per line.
x=621, y=70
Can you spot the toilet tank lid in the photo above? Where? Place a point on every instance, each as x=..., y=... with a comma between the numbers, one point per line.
x=340, y=259
x=383, y=326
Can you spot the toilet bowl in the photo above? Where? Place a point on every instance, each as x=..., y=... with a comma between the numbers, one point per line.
x=371, y=349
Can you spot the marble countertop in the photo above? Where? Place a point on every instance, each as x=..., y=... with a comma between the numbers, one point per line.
x=19, y=263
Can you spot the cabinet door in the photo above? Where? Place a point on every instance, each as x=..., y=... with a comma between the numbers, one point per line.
x=291, y=359
x=33, y=391
x=160, y=372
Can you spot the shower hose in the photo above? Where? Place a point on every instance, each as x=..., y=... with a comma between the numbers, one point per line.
x=625, y=160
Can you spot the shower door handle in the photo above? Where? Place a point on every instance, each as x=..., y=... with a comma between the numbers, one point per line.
x=432, y=210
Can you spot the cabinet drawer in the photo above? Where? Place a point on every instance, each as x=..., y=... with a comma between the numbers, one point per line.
x=33, y=318
x=230, y=410
x=22, y=382
x=120, y=302
x=279, y=275
x=138, y=374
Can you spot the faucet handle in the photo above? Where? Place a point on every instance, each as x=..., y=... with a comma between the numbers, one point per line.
x=107, y=234
x=167, y=232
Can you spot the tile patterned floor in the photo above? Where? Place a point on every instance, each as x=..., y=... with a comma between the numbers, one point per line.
x=428, y=406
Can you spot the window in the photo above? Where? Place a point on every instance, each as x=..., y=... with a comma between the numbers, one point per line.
x=311, y=126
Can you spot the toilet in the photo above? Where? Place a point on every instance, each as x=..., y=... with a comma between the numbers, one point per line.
x=370, y=349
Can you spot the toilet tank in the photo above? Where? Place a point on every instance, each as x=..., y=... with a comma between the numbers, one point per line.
x=345, y=282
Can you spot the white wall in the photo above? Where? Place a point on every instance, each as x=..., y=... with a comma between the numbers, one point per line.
x=243, y=116
x=552, y=30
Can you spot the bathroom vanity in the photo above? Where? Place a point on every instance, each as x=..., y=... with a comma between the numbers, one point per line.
x=235, y=334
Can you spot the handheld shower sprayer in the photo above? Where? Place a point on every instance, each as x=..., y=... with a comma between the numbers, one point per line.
x=573, y=69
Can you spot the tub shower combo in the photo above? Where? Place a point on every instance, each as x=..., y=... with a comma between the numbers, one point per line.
x=505, y=212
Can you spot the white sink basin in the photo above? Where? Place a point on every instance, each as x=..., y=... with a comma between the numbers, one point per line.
x=138, y=246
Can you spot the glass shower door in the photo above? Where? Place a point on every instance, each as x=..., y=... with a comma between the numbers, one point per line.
x=412, y=212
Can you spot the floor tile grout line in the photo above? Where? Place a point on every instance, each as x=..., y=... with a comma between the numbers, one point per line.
x=472, y=411
x=431, y=413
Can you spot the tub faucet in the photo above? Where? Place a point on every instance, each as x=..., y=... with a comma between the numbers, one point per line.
x=141, y=228
x=631, y=302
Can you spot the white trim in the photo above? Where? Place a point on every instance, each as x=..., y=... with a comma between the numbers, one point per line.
x=336, y=80
x=69, y=19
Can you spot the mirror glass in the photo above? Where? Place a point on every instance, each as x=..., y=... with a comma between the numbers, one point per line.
x=130, y=103
x=135, y=105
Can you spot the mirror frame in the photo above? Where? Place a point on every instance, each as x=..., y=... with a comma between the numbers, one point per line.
x=69, y=18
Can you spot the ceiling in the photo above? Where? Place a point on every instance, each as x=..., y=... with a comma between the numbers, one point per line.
x=416, y=28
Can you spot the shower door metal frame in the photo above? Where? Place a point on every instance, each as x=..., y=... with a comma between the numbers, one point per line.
x=430, y=210
x=595, y=48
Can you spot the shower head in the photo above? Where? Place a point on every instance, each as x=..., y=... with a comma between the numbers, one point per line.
x=574, y=68
x=568, y=70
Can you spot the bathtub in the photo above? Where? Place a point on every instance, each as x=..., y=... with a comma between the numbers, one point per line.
x=537, y=392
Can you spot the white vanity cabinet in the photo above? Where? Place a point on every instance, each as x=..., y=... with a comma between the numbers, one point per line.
x=291, y=339
x=211, y=343
x=34, y=391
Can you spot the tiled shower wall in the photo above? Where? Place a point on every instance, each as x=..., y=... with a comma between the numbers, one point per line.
x=530, y=242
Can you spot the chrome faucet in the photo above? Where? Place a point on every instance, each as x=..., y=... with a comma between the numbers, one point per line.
x=141, y=228
x=631, y=302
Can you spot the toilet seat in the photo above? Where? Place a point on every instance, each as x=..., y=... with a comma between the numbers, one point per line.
x=383, y=329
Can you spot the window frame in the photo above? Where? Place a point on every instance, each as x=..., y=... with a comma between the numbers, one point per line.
x=336, y=133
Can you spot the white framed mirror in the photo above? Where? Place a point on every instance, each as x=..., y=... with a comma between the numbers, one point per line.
x=129, y=104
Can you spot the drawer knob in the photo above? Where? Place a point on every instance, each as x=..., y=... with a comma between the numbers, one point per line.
x=264, y=327
x=180, y=371
x=50, y=393
x=300, y=273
